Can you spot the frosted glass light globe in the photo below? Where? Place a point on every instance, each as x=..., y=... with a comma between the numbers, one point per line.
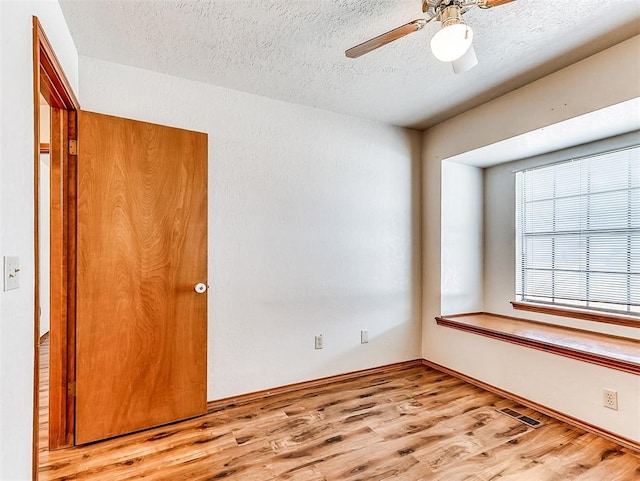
x=451, y=42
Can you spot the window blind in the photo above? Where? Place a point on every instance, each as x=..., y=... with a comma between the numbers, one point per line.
x=578, y=232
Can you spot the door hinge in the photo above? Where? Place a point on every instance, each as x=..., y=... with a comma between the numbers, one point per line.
x=71, y=389
x=73, y=147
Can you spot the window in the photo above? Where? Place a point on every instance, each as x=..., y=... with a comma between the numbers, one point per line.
x=578, y=233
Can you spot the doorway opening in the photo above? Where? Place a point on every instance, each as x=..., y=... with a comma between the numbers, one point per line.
x=55, y=107
x=44, y=269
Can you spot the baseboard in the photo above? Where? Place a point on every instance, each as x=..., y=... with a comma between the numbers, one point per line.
x=218, y=404
x=628, y=443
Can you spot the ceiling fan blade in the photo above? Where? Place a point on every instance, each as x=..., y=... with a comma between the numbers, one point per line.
x=494, y=3
x=385, y=38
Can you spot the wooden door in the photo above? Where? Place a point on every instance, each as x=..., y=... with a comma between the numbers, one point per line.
x=141, y=247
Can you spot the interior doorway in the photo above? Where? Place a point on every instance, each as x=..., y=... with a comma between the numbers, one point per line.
x=55, y=107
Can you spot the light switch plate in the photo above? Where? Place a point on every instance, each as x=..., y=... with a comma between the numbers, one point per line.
x=11, y=273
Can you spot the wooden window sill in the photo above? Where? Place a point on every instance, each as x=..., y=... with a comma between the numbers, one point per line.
x=575, y=313
x=615, y=352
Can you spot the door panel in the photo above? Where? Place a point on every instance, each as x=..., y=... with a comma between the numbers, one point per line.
x=142, y=246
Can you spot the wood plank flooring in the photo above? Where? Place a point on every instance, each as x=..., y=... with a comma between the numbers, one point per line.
x=416, y=424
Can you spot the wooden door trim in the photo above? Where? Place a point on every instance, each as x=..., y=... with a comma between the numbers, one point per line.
x=50, y=81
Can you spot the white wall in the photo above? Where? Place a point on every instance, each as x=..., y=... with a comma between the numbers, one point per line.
x=313, y=228
x=566, y=385
x=44, y=228
x=45, y=243
x=45, y=124
x=16, y=218
x=462, y=238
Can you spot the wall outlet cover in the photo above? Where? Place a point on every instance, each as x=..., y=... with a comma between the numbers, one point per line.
x=610, y=399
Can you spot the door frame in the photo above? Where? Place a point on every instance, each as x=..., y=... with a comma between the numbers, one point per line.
x=50, y=80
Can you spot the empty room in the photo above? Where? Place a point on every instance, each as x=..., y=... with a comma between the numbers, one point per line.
x=320, y=240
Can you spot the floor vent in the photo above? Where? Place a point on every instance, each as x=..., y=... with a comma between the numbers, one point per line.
x=534, y=423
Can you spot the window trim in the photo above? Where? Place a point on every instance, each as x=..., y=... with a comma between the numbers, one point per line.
x=583, y=314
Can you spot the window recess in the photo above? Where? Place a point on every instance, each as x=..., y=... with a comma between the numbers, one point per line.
x=578, y=233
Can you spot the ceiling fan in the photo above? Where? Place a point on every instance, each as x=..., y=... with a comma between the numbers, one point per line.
x=452, y=43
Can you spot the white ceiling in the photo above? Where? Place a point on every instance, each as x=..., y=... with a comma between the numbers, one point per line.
x=293, y=50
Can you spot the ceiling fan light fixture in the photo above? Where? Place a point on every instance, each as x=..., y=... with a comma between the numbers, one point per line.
x=466, y=62
x=451, y=42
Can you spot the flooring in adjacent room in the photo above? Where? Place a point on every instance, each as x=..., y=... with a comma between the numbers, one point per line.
x=413, y=424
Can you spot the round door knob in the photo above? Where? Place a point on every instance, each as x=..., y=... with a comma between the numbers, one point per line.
x=200, y=288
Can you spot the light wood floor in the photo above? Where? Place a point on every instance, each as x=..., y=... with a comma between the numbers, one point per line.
x=412, y=425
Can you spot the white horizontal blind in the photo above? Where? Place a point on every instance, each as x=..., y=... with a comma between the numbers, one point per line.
x=578, y=232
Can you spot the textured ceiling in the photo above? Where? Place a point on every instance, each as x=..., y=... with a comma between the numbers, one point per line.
x=293, y=50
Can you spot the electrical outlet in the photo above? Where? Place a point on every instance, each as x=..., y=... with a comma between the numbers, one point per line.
x=364, y=337
x=610, y=399
x=319, y=342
